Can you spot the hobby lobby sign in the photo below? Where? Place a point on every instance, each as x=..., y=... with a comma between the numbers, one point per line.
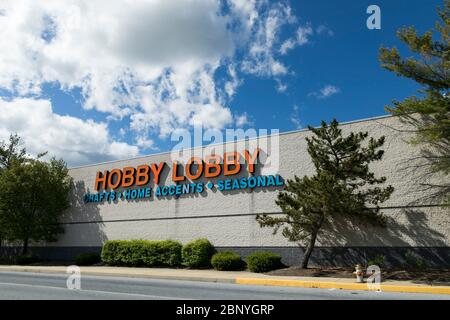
x=198, y=174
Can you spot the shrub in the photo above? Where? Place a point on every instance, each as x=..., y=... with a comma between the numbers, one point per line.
x=87, y=259
x=136, y=253
x=379, y=260
x=414, y=261
x=26, y=259
x=227, y=261
x=162, y=253
x=197, y=253
x=263, y=261
x=110, y=252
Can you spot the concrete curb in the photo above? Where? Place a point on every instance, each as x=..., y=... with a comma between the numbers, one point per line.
x=119, y=274
x=344, y=286
x=245, y=280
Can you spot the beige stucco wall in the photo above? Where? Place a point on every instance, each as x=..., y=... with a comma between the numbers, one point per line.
x=424, y=226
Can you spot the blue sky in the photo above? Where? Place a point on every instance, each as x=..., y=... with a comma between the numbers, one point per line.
x=347, y=60
x=116, y=84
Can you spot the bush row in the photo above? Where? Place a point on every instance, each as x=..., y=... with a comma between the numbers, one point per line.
x=259, y=261
x=135, y=253
x=227, y=261
x=263, y=261
x=199, y=253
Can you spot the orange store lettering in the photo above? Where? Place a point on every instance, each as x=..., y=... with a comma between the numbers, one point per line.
x=210, y=167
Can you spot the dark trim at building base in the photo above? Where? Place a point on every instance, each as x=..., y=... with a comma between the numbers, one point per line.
x=350, y=256
x=321, y=256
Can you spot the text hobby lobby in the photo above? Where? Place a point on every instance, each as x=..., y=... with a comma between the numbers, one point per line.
x=195, y=176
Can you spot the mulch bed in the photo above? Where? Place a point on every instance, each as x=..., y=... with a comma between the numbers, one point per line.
x=426, y=275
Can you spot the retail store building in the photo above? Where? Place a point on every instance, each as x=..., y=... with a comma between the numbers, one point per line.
x=184, y=205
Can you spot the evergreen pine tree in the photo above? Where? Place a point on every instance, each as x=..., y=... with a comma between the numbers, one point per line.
x=429, y=114
x=343, y=185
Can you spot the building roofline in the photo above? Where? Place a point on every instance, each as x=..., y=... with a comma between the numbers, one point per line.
x=219, y=143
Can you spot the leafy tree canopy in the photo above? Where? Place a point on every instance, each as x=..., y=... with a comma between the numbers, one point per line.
x=33, y=195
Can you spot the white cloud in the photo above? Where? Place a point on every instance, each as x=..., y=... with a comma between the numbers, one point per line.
x=281, y=87
x=122, y=132
x=76, y=141
x=287, y=45
x=295, y=117
x=245, y=13
x=114, y=49
x=323, y=29
x=262, y=59
x=326, y=91
x=301, y=38
x=242, y=120
x=145, y=143
x=153, y=62
x=232, y=85
x=302, y=35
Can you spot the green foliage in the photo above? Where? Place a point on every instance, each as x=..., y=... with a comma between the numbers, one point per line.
x=428, y=114
x=26, y=259
x=170, y=252
x=87, y=259
x=10, y=153
x=146, y=253
x=414, y=261
x=378, y=260
x=227, y=261
x=197, y=253
x=343, y=185
x=34, y=195
x=263, y=261
x=110, y=252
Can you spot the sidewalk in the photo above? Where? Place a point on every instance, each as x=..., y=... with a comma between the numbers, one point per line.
x=237, y=277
